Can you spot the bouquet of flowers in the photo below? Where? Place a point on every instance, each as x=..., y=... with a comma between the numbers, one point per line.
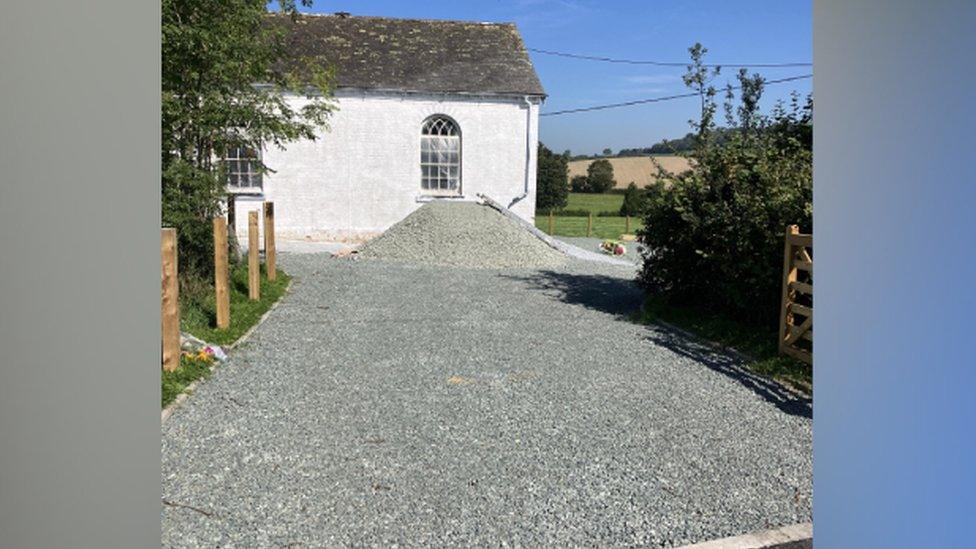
x=613, y=247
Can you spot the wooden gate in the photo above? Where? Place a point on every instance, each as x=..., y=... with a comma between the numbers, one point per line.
x=796, y=317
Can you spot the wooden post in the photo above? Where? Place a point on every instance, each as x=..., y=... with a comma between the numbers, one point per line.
x=253, y=265
x=627, y=229
x=589, y=224
x=269, y=241
x=220, y=272
x=551, y=221
x=170, y=301
x=789, y=275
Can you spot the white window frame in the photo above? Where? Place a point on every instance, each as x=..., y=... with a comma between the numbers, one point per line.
x=245, y=166
x=440, y=156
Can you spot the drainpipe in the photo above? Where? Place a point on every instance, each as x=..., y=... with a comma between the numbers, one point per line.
x=528, y=150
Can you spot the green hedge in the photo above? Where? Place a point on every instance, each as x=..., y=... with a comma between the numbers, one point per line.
x=715, y=234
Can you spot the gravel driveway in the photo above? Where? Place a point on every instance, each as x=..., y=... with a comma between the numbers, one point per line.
x=393, y=403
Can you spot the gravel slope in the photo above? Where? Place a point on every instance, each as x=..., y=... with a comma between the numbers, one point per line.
x=393, y=403
x=464, y=234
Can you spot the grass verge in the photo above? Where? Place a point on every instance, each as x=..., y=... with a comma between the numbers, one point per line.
x=198, y=316
x=757, y=343
x=603, y=227
x=190, y=370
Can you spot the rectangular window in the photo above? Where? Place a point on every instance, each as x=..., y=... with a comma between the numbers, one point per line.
x=243, y=171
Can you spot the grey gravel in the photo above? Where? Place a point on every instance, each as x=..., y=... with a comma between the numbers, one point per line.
x=392, y=403
x=462, y=234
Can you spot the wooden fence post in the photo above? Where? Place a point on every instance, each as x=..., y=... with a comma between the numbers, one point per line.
x=589, y=224
x=220, y=272
x=253, y=265
x=269, y=241
x=551, y=225
x=627, y=228
x=789, y=275
x=170, y=300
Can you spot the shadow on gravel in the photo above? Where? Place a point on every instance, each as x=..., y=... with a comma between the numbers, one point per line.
x=617, y=296
x=731, y=366
x=620, y=297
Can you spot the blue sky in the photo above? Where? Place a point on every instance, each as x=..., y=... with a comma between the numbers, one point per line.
x=747, y=31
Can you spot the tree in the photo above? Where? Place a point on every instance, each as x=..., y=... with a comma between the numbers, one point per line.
x=213, y=54
x=607, y=152
x=579, y=184
x=633, y=201
x=713, y=235
x=599, y=175
x=552, y=186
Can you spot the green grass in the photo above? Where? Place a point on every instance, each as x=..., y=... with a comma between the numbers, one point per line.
x=603, y=227
x=758, y=343
x=198, y=316
x=595, y=203
x=175, y=382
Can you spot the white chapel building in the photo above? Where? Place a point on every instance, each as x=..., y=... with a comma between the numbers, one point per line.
x=427, y=110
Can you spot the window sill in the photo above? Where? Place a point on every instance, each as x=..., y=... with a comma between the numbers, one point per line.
x=237, y=191
x=433, y=197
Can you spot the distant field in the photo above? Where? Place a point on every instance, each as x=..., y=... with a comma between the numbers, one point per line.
x=639, y=169
x=595, y=203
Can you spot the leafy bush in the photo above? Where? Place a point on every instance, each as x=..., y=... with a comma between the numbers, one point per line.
x=579, y=184
x=713, y=236
x=552, y=188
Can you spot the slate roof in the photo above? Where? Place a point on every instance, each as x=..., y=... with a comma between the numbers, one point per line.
x=424, y=55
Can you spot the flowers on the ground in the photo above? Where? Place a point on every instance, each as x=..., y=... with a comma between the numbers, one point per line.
x=613, y=247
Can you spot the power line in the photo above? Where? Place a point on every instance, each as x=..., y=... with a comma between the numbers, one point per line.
x=665, y=98
x=666, y=63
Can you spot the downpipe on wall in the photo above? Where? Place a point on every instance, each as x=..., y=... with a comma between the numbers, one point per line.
x=528, y=150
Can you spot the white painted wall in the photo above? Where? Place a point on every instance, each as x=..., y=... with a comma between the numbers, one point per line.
x=356, y=180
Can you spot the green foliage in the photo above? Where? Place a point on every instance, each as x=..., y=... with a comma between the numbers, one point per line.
x=599, y=176
x=552, y=187
x=579, y=184
x=633, y=203
x=714, y=234
x=213, y=54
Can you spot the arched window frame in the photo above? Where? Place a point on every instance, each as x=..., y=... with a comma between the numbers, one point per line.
x=440, y=156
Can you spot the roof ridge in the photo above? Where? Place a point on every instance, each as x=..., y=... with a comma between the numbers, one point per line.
x=387, y=18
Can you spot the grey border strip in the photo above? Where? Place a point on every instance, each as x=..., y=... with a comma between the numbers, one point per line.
x=180, y=398
x=763, y=539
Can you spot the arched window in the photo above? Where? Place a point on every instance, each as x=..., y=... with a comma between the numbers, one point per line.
x=440, y=156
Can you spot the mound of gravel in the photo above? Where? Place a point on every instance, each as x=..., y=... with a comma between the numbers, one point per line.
x=462, y=234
